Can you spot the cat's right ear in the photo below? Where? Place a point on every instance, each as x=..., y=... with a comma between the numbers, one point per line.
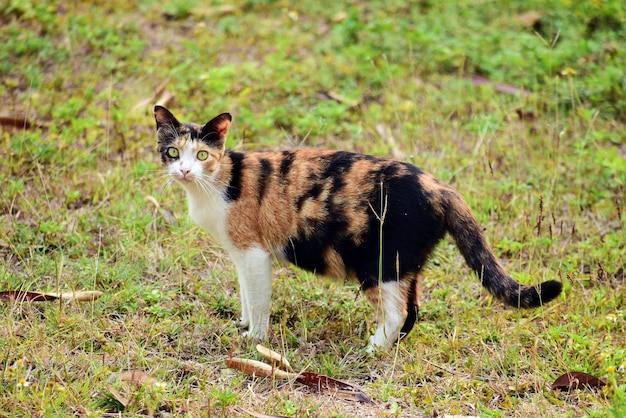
x=164, y=118
x=217, y=129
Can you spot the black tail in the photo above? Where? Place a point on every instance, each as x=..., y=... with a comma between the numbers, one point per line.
x=472, y=243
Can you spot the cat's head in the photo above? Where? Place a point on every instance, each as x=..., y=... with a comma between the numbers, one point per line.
x=190, y=151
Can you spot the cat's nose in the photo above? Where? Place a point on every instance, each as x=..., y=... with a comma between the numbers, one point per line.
x=184, y=172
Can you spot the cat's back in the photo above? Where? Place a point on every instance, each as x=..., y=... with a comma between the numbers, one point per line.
x=276, y=196
x=311, y=170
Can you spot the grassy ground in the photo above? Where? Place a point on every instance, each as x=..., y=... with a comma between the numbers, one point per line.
x=537, y=147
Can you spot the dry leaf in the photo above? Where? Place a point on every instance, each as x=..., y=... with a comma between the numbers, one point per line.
x=328, y=384
x=313, y=380
x=16, y=122
x=339, y=98
x=257, y=368
x=129, y=380
x=123, y=400
x=275, y=359
x=211, y=12
x=578, y=380
x=81, y=296
x=136, y=378
x=21, y=295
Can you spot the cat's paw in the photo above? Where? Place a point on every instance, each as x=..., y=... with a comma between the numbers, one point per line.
x=242, y=323
x=248, y=334
x=253, y=334
x=372, y=349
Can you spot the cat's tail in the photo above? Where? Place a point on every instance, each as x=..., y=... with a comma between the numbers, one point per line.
x=472, y=243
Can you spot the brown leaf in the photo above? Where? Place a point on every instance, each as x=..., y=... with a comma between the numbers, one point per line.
x=211, y=12
x=339, y=98
x=128, y=383
x=275, y=359
x=257, y=368
x=577, y=380
x=81, y=296
x=22, y=295
x=313, y=380
x=124, y=400
x=16, y=122
x=136, y=378
x=328, y=384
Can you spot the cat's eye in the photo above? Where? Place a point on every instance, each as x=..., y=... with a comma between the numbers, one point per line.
x=202, y=155
x=172, y=152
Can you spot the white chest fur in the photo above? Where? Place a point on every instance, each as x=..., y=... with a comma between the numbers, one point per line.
x=209, y=211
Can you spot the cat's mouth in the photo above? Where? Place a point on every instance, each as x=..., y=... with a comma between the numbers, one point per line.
x=185, y=179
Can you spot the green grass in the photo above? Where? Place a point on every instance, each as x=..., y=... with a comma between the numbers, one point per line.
x=545, y=173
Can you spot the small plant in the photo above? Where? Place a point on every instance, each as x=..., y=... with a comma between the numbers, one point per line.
x=224, y=399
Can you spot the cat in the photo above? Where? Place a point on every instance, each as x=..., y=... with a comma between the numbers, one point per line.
x=340, y=214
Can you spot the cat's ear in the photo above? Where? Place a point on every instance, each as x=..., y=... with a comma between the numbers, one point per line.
x=164, y=118
x=216, y=130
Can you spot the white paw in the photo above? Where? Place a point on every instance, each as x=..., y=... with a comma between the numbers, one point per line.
x=374, y=346
x=253, y=334
x=242, y=323
x=372, y=349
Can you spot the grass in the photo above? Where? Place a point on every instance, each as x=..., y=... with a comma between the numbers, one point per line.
x=544, y=171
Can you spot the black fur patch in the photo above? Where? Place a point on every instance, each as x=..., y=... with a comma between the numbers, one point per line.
x=264, y=177
x=285, y=164
x=313, y=193
x=410, y=230
x=412, y=309
x=233, y=191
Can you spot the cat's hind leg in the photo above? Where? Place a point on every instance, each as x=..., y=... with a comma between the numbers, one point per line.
x=254, y=267
x=412, y=304
x=390, y=303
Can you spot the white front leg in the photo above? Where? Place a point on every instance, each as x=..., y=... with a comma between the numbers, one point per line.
x=254, y=267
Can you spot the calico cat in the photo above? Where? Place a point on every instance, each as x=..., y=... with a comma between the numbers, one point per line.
x=340, y=214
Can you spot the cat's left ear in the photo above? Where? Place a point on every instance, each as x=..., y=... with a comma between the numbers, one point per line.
x=165, y=118
x=216, y=130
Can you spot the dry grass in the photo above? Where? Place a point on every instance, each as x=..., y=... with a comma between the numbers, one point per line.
x=548, y=186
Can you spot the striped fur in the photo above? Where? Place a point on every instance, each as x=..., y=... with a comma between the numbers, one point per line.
x=339, y=214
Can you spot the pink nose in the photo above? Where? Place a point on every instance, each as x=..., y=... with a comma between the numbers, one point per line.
x=184, y=171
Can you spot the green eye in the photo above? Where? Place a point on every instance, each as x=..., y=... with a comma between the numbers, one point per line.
x=202, y=155
x=172, y=152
